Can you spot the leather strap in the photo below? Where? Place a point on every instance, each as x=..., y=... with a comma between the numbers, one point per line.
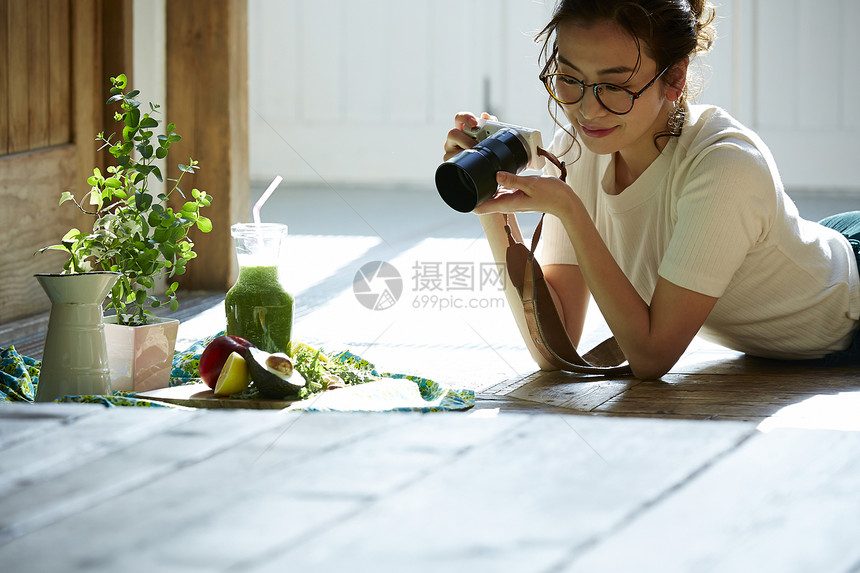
x=544, y=323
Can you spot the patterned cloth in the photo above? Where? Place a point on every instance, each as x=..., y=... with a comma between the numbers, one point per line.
x=389, y=394
x=367, y=390
x=385, y=392
x=18, y=376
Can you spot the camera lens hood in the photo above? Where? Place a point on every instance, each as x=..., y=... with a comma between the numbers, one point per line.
x=469, y=178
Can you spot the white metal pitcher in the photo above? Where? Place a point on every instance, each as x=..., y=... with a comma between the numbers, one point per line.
x=75, y=358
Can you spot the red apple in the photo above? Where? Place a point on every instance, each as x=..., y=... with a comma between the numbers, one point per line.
x=215, y=355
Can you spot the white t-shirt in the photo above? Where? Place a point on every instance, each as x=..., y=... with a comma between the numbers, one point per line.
x=710, y=215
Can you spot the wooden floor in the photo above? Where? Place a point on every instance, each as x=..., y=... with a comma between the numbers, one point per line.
x=715, y=385
x=85, y=488
x=728, y=463
x=476, y=348
x=708, y=383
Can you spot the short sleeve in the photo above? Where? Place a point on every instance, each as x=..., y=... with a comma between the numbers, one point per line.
x=726, y=207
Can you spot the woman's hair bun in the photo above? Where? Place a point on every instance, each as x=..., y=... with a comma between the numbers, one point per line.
x=706, y=33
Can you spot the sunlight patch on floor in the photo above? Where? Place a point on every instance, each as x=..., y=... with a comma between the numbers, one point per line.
x=310, y=259
x=450, y=320
x=823, y=412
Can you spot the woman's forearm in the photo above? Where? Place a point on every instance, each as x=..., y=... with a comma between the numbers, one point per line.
x=652, y=336
x=494, y=228
x=623, y=309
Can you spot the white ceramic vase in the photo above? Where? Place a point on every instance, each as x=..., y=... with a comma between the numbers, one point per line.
x=140, y=357
x=75, y=360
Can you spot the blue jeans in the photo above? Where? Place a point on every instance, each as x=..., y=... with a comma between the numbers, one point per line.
x=849, y=225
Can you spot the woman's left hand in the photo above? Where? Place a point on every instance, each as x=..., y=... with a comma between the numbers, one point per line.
x=528, y=193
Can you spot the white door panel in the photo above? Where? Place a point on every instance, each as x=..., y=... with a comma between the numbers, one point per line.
x=363, y=91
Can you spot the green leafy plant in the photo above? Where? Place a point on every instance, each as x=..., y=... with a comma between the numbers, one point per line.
x=135, y=233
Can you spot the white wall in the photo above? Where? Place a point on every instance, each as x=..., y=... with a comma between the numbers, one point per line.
x=365, y=90
x=787, y=68
x=150, y=71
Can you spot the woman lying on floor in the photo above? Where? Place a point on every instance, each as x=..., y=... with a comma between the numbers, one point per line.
x=673, y=216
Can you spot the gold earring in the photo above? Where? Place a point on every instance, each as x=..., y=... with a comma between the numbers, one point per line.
x=677, y=117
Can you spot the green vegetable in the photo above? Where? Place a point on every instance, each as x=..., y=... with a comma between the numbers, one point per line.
x=320, y=371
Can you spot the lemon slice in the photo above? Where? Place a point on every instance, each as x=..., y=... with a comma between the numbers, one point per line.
x=234, y=377
x=296, y=345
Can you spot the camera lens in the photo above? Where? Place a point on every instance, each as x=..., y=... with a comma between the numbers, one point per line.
x=469, y=178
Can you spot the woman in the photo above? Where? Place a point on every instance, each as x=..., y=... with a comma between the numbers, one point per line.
x=673, y=216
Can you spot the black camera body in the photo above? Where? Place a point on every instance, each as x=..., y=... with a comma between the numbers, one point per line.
x=469, y=178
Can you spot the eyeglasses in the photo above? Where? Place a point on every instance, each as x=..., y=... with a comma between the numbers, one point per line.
x=568, y=90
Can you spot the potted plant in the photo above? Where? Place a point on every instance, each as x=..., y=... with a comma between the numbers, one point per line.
x=138, y=234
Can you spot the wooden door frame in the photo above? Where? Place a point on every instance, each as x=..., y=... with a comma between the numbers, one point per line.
x=215, y=133
x=209, y=105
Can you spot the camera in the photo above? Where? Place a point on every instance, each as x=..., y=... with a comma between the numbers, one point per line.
x=469, y=178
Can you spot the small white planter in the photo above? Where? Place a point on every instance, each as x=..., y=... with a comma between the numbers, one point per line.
x=140, y=357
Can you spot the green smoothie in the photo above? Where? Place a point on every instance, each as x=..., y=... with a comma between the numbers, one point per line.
x=260, y=310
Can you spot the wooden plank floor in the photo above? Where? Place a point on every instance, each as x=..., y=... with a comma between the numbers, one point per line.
x=708, y=383
x=85, y=488
x=549, y=472
x=719, y=385
x=476, y=348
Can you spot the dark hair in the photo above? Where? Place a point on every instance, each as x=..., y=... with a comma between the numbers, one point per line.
x=668, y=30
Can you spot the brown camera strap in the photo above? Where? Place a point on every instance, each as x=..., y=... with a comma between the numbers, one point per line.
x=544, y=323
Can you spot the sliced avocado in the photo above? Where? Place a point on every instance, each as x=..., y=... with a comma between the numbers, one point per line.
x=273, y=376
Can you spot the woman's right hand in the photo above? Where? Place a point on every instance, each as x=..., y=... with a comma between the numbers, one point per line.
x=457, y=139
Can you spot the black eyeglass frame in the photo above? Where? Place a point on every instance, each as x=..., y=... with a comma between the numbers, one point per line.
x=546, y=78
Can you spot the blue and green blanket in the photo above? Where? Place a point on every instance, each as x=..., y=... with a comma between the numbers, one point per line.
x=378, y=391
